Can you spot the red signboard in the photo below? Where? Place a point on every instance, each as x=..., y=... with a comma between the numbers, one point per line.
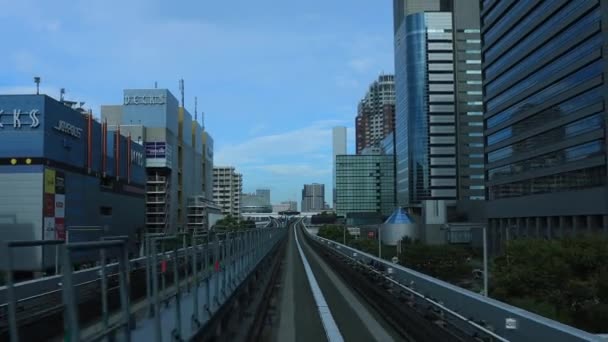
x=371, y=235
x=60, y=228
x=49, y=205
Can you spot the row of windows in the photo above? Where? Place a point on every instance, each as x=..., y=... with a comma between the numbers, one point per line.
x=579, y=127
x=564, y=109
x=546, y=72
x=506, y=20
x=573, y=180
x=550, y=92
x=537, y=34
x=541, y=54
x=498, y=8
x=572, y=154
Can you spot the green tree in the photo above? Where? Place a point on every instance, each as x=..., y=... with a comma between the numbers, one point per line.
x=446, y=262
x=564, y=279
x=333, y=232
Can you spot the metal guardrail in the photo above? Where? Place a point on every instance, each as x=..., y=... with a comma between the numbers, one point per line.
x=491, y=317
x=233, y=254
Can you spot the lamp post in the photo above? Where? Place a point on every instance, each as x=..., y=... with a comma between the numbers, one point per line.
x=485, y=255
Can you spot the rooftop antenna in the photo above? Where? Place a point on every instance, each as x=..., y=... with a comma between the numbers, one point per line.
x=195, y=108
x=203, y=119
x=37, y=81
x=155, y=85
x=61, y=94
x=181, y=89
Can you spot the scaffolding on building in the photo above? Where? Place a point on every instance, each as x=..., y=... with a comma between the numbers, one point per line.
x=157, y=202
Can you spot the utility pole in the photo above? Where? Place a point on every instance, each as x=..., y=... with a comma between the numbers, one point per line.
x=37, y=81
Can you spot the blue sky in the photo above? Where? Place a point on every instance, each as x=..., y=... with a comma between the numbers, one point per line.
x=273, y=77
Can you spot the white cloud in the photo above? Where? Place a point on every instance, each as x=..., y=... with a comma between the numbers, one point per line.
x=361, y=64
x=296, y=143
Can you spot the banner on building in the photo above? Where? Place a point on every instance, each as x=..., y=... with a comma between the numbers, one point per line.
x=156, y=150
x=53, y=210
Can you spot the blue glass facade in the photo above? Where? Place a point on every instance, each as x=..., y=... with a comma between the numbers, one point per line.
x=545, y=115
x=411, y=124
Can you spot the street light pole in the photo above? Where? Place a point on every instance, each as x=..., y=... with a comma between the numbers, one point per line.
x=485, y=262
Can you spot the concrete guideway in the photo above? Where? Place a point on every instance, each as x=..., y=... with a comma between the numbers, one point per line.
x=353, y=319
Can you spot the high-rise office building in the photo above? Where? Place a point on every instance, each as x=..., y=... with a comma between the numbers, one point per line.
x=313, y=197
x=264, y=194
x=227, y=189
x=439, y=128
x=254, y=203
x=364, y=184
x=338, y=148
x=376, y=113
x=545, y=117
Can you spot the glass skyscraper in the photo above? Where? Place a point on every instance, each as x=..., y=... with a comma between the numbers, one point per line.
x=438, y=121
x=545, y=117
x=364, y=184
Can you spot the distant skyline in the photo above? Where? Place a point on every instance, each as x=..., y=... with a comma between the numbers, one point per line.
x=272, y=84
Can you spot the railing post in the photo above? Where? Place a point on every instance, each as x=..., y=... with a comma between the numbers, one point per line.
x=178, y=312
x=195, y=285
x=163, y=274
x=11, y=296
x=216, y=297
x=157, y=323
x=124, y=291
x=104, y=289
x=70, y=318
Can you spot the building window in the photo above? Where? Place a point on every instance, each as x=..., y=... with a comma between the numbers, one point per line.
x=105, y=211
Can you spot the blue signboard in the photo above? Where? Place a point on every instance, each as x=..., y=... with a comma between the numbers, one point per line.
x=156, y=150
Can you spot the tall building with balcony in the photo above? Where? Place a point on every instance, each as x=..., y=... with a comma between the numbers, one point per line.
x=438, y=120
x=174, y=152
x=545, y=100
x=227, y=189
x=313, y=197
x=376, y=113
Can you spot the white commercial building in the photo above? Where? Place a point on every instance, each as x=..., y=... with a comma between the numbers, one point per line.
x=227, y=188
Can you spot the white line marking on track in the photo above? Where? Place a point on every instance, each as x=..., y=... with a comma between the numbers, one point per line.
x=331, y=328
